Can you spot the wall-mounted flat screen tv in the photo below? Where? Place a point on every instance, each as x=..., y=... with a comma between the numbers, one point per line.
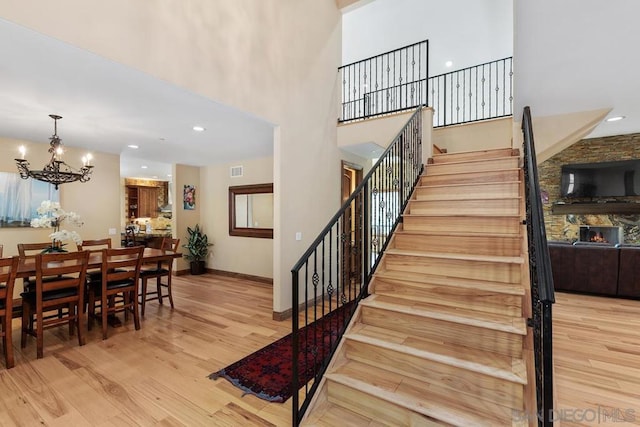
x=605, y=179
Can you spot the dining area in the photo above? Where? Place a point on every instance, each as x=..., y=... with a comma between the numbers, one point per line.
x=46, y=292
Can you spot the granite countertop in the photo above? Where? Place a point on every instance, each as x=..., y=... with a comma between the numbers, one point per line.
x=154, y=233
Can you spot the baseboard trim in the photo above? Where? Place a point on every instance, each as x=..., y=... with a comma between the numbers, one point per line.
x=242, y=276
x=282, y=315
x=267, y=280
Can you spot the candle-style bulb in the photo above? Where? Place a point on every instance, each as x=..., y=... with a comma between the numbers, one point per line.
x=22, y=150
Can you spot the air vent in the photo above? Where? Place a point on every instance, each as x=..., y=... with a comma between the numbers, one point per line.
x=236, y=171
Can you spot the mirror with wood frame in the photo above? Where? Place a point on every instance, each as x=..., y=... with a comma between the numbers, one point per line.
x=251, y=210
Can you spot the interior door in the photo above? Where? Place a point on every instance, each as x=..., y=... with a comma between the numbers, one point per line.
x=351, y=244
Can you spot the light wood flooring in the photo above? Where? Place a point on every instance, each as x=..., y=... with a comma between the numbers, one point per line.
x=158, y=375
x=154, y=376
x=597, y=360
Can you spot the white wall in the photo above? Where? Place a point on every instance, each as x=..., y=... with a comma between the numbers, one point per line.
x=467, y=32
x=276, y=59
x=578, y=55
x=246, y=255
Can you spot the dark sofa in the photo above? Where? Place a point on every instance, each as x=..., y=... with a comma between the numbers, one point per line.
x=596, y=268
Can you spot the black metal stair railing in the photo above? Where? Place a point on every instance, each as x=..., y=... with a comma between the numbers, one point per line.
x=385, y=83
x=542, y=291
x=471, y=94
x=334, y=273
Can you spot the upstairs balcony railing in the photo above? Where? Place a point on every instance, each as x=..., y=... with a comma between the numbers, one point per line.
x=386, y=83
x=475, y=93
x=399, y=80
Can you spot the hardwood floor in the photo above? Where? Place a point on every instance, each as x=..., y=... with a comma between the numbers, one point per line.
x=155, y=376
x=158, y=375
x=597, y=360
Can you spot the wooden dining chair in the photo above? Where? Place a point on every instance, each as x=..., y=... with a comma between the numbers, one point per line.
x=1, y=248
x=30, y=250
x=162, y=269
x=95, y=245
x=8, y=269
x=118, y=289
x=60, y=282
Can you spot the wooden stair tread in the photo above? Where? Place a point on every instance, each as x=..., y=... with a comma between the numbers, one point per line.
x=472, y=152
x=493, y=371
x=472, y=172
x=505, y=288
x=401, y=230
x=458, y=256
x=491, y=215
x=514, y=325
x=466, y=184
x=398, y=390
x=469, y=199
x=471, y=160
x=329, y=414
x=512, y=367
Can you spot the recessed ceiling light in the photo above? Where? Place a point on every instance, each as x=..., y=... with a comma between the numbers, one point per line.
x=615, y=119
x=169, y=175
x=448, y=64
x=143, y=167
x=198, y=128
x=155, y=177
x=135, y=147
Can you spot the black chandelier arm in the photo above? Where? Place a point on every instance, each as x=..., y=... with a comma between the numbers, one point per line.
x=55, y=172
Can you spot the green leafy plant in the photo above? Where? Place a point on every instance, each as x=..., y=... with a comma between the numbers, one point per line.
x=197, y=244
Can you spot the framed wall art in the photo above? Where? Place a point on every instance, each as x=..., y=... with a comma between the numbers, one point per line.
x=20, y=198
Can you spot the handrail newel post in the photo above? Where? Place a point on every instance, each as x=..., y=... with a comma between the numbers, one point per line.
x=294, y=347
x=366, y=229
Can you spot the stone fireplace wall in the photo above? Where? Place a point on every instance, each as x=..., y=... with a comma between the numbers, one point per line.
x=566, y=227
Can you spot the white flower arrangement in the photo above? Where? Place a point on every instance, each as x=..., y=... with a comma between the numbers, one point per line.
x=52, y=216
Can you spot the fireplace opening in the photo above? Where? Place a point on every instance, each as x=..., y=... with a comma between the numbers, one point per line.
x=601, y=234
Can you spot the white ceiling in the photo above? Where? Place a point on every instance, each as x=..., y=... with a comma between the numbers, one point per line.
x=107, y=106
x=582, y=58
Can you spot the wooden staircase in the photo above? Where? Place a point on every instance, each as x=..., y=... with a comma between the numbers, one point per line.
x=442, y=339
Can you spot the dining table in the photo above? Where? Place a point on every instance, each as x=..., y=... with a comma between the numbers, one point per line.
x=27, y=268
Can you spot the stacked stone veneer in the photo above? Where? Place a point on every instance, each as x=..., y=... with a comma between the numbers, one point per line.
x=593, y=150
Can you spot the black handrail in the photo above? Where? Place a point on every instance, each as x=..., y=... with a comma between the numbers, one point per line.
x=334, y=273
x=541, y=278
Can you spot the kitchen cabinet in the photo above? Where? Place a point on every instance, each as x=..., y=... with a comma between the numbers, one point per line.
x=142, y=202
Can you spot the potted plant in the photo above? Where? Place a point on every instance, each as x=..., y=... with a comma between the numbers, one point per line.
x=198, y=247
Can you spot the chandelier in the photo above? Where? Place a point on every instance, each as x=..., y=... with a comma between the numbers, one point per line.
x=55, y=172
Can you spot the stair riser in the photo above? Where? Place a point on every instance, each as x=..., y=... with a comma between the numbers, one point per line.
x=375, y=408
x=475, y=155
x=469, y=269
x=472, y=177
x=465, y=207
x=450, y=333
x=458, y=380
x=481, y=245
x=485, y=165
x=469, y=191
x=450, y=296
x=436, y=224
